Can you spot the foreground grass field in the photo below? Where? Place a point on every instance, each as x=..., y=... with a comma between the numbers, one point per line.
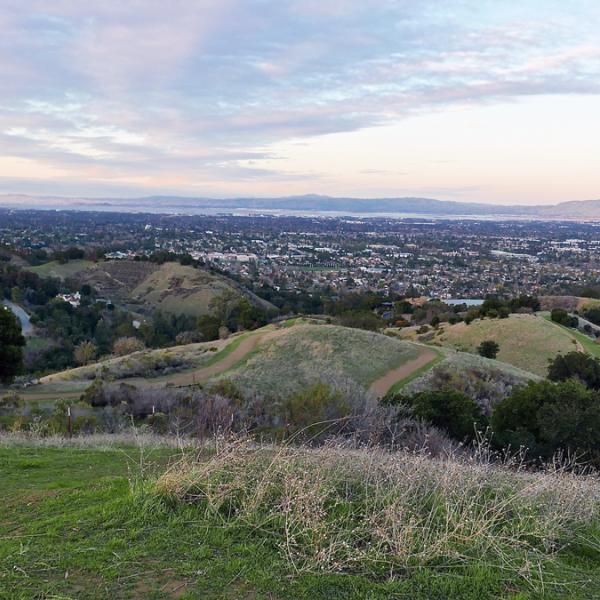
x=526, y=341
x=85, y=522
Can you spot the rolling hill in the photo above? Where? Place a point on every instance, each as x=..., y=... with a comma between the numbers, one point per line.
x=284, y=357
x=526, y=341
x=144, y=286
x=61, y=270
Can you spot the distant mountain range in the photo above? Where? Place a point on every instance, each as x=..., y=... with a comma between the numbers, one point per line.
x=310, y=204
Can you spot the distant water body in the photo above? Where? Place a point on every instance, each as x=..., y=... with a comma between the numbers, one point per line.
x=141, y=208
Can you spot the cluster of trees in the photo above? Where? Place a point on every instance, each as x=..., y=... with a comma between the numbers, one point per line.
x=560, y=414
x=562, y=317
x=12, y=343
x=20, y=285
x=494, y=307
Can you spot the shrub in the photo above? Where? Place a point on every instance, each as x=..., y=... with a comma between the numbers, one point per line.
x=127, y=345
x=312, y=411
x=360, y=319
x=85, y=352
x=488, y=349
x=562, y=317
x=547, y=417
x=447, y=409
x=576, y=365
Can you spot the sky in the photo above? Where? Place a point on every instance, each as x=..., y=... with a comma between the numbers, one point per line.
x=471, y=100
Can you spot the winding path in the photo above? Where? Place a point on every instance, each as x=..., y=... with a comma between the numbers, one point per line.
x=381, y=386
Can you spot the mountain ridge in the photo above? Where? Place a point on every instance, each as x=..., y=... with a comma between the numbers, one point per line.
x=587, y=209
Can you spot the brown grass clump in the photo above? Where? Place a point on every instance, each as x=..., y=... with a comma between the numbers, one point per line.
x=367, y=510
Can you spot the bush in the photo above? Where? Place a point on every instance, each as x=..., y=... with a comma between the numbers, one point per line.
x=85, y=353
x=547, y=417
x=562, y=317
x=127, y=345
x=360, y=319
x=447, y=409
x=311, y=412
x=488, y=349
x=576, y=365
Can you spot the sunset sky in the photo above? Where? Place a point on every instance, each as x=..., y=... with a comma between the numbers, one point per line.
x=465, y=100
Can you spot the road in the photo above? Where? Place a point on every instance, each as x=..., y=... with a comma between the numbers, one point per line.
x=26, y=326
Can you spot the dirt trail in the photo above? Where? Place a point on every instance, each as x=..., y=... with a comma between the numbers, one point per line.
x=382, y=385
x=247, y=345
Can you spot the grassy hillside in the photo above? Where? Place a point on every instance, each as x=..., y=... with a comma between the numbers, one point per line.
x=305, y=354
x=569, y=303
x=179, y=289
x=170, y=287
x=147, y=286
x=274, y=360
x=91, y=520
x=61, y=271
x=486, y=381
x=526, y=341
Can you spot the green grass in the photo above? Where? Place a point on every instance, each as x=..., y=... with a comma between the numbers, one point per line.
x=61, y=271
x=589, y=345
x=351, y=358
x=72, y=526
x=526, y=341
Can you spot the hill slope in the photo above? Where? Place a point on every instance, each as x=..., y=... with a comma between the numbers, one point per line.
x=273, y=361
x=146, y=286
x=87, y=519
x=526, y=341
x=348, y=359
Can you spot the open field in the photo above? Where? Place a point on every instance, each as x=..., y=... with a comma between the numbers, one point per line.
x=61, y=271
x=88, y=522
x=526, y=341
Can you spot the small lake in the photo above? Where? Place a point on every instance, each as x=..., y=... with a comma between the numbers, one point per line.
x=467, y=301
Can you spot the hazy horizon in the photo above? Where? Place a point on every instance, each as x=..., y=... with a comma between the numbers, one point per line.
x=470, y=101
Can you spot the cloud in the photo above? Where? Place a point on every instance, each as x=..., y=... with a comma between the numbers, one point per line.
x=190, y=90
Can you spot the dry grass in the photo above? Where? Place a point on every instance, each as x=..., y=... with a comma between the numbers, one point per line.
x=130, y=437
x=345, y=358
x=335, y=509
x=526, y=341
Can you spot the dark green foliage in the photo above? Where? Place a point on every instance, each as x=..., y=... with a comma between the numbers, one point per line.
x=504, y=312
x=488, y=349
x=360, y=319
x=593, y=315
x=448, y=409
x=12, y=343
x=576, y=365
x=546, y=417
x=562, y=317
